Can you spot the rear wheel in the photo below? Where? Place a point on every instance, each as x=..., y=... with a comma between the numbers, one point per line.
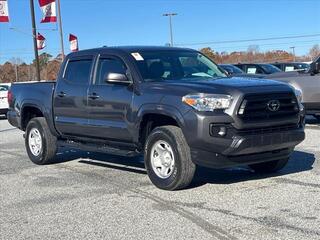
x=269, y=167
x=41, y=145
x=168, y=159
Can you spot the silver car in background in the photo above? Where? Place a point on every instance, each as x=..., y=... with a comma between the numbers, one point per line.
x=4, y=88
x=308, y=84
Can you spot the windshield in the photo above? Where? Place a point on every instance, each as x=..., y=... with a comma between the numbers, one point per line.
x=268, y=68
x=4, y=88
x=175, y=65
x=232, y=69
x=303, y=66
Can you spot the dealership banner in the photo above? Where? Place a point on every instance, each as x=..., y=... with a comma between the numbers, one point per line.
x=48, y=8
x=4, y=12
x=41, y=42
x=73, y=43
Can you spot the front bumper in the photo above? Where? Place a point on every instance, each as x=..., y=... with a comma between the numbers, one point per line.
x=240, y=147
x=245, y=150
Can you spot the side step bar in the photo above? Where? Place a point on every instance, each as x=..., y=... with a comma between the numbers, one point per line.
x=85, y=146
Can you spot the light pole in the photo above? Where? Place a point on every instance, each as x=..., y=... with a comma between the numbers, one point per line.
x=294, y=54
x=34, y=35
x=170, y=15
x=60, y=28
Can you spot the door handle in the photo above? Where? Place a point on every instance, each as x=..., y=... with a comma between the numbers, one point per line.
x=62, y=94
x=93, y=96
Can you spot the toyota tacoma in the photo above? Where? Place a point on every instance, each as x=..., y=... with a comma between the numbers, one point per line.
x=172, y=105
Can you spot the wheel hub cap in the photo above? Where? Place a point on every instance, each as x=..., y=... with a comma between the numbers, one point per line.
x=162, y=159
x=35, y=142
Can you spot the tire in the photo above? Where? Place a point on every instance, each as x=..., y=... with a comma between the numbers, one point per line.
x=45, y=154
x=269, y=167
x=172, y=141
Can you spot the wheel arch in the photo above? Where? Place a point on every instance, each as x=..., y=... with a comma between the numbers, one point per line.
x=31, y=109
x=151, y=116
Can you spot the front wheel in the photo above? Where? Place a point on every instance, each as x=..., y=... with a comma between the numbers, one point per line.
x=41, y=145
x=168, y=159
x=269, y=167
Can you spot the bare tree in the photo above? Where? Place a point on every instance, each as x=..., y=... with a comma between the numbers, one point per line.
x=7, y=73
x=254, y=49
x=314, y=51
x=16, y=62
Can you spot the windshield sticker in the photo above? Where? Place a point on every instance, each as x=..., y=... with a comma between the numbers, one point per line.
x=137, y=56
x=289, y=68
x=251, y=70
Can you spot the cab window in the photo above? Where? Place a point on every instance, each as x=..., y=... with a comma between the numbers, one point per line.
x=78, y=71
x=109, y=65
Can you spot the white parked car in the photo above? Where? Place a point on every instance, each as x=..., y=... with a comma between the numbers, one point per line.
x=4, y=87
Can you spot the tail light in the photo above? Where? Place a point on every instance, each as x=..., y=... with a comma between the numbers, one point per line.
x=10, y=97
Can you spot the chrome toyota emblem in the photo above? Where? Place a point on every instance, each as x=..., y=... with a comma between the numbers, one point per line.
x=273, y=105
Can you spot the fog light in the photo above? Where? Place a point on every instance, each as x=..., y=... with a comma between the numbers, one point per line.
x=223, y=131
x=218, y=131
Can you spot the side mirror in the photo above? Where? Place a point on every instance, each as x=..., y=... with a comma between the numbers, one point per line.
x=116, y=78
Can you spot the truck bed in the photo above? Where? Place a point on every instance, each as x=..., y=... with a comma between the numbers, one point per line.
x=30, y=93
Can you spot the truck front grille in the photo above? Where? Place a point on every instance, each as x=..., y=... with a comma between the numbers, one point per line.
x=264, y=130
x=271, y=106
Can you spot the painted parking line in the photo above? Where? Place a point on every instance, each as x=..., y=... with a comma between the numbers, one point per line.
x=7, y=130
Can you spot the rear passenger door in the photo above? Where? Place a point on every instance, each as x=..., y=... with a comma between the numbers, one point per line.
x=70, y=98
x=109, y=104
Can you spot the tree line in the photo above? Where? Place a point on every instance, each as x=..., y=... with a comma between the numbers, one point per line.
x=253, y=55
x=16, y=70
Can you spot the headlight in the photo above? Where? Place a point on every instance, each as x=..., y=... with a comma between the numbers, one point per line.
x=208, y=102
x=298, y=95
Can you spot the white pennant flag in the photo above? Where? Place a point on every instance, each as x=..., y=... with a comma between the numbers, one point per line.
x=41, y=42
x=48, y=8
x=4, y=12
x=73, y=43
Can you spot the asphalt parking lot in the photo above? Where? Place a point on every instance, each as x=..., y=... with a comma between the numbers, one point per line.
x=96, y=196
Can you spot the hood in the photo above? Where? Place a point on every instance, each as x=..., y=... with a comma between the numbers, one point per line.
x=241, y=82
x=221, y=85
x=233, y=82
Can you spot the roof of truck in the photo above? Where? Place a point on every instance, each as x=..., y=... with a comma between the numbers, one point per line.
x=130, y=49
x=148, y=48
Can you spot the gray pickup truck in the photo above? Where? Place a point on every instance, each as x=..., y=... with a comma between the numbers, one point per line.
x=172, y=105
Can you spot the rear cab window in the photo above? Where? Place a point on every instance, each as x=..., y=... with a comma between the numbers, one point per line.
x=78, y=70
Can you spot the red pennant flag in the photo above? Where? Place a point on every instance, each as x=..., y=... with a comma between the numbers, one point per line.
x=4, y=12
x=48, y=8
x=41, y=42
x=73, y=43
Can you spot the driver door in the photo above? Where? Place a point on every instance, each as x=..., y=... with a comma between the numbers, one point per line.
x=109, y=104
